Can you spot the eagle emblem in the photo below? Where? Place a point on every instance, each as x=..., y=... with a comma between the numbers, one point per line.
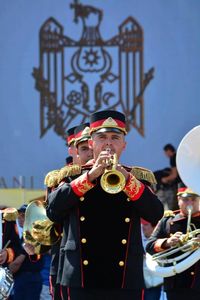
x=78, y=77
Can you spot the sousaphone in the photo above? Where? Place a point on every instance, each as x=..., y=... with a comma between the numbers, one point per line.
x=188, y=252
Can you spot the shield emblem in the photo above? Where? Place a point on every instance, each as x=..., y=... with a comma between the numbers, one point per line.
x=76, y=78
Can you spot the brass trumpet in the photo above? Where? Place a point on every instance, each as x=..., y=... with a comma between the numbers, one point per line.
x=112, y=181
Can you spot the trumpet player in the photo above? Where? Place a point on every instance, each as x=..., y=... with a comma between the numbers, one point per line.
x=101, y=254
x=172, y=231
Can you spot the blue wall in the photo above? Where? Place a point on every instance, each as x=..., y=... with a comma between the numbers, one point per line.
x=172, y=99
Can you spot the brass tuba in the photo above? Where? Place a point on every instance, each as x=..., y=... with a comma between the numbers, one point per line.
x=188, y=250
x=112, y=181
x=38, y=230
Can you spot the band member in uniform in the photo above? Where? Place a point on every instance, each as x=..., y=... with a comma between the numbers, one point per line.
x=10, y=242
x=77, y=141
x=101, y=250
x=55, y=249
x=82, y=137
x=26, y=268
x=168, y=233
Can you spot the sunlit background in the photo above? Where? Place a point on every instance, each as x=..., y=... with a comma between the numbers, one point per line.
x=171, y=100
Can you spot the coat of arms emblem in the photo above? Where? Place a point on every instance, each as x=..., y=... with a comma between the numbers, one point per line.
x=78, y=77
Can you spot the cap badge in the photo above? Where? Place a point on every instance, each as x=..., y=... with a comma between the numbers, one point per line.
x=86, y=131
x=109, y=122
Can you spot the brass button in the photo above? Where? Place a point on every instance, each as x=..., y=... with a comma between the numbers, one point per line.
x=83, y=241
x=85, y=262
x=82, y=218
x=192, y=273
x=127, y=220
x=82, y=198
x=128, y=199
x=121, y=263
x=124, y=241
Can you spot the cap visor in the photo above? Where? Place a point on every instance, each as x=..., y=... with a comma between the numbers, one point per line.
x=83, y=140
x=108, y=129
x=185, y=195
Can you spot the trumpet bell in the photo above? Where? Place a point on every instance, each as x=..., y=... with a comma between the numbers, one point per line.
x=188, y=159
x=112, y=181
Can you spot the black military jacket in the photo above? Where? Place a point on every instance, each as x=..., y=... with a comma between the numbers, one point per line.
x=170, y=224
x=11, y=239
x=101, y=245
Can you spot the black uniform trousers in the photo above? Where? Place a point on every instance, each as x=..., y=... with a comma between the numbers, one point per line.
x=99, y=294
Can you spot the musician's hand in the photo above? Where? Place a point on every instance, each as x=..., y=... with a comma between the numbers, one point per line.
x=16, y=264
x=100, y=165
x=30, y=250
x=173, y=240
x=164, y=180
x=197, y=238
x=3, y=256
x=123, y=171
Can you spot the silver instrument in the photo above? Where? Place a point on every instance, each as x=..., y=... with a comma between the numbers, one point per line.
x=6, y=283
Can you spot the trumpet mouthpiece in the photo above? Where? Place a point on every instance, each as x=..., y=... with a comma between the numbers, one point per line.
x=189, y=208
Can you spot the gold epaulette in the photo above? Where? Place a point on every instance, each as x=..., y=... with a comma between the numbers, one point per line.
x=54, y=177
x=10, y=214
x=70, y=170
x=169, y=213
x=51, y=179
x=143, y=174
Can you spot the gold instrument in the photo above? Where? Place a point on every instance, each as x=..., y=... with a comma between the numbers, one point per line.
x=188, y=249
x=38, y=230
x=112, y=181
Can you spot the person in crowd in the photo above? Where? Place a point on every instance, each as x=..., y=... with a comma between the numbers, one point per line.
x=153, y=283
x=26, y=269
x=168, y=180
x=170, y=233
x=9, y=240
x=173, y=176
x=101, y=249
x=9, y=249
